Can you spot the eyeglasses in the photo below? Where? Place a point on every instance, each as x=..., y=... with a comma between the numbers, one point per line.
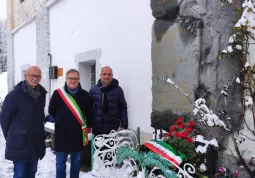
x=73, y=79
x=34, y=76
x=108, y=74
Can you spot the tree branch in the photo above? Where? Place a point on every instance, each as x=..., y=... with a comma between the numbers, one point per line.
x=247, y=137
x=246, y=167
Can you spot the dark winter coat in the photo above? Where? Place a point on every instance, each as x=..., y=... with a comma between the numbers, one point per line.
x=68, y=132
x=22, y=123
x=115, y=115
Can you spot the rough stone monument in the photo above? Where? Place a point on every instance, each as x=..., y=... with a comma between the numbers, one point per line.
x=187, y=36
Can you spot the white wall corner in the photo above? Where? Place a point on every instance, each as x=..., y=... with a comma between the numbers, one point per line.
x=25, y=67
x=30, y=20
x=51, y=3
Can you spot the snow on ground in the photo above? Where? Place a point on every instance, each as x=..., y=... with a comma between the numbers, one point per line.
x=46, y=167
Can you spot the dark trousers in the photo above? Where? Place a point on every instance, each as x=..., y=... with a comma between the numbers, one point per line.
x=25, y=169
x=61, y=158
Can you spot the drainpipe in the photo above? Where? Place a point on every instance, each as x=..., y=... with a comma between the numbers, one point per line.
x=50, y=56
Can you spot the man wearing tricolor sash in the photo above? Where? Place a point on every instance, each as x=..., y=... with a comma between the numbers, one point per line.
x=71, y=107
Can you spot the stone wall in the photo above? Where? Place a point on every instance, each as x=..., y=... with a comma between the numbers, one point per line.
x=18, y=15
x=43, y=47
x=3, y=46
x=187, y=38
x=22, y=12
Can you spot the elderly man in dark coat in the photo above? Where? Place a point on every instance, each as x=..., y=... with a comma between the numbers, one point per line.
x=21, y=119
x=109, y=104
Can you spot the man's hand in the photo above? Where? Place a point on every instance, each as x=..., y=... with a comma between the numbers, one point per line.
x=85, y=143
x=121, y=128
x=89, y=130
x=86, y=131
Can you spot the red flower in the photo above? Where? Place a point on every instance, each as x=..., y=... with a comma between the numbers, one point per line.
x=184, y=134
x=191, y=124
x=172, y=128
x=188, y=129
x=170, y=133
x=178, y=135
x=179, y=120
x=189, y=140
x=181, y=126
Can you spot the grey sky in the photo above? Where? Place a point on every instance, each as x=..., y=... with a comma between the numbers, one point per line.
x=3, y=8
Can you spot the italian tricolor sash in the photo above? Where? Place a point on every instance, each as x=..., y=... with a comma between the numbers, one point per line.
x=166, y=151
x=75, y=109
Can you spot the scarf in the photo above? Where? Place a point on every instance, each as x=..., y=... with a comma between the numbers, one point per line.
x=33, y=92
x=105, y=89
x=73, y=91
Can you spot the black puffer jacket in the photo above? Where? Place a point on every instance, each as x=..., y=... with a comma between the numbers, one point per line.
x=115, y=115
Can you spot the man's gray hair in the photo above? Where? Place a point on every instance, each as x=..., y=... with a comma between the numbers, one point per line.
x=73, y=71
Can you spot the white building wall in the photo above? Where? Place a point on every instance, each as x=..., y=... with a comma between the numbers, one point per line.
x=3, y=86
x=122, y=30
x=24, y=49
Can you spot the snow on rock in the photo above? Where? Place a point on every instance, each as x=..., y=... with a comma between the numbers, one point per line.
x=248, y=16
x=224, y=51
x=207, y=115
x=247, y=64
x=238, y=80
x=212, y=118
x=231, y=39
x=223, y=92
x=248, y=101
x=195, y=111
x=200, y=103
x=230, y=49
x=203, y=167
x=203, y=149
x=239, y=47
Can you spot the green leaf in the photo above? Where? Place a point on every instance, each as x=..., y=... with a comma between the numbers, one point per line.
x=239, y=11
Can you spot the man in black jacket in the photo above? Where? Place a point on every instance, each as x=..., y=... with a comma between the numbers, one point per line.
x=22, y=124
x=109, y=104
x=67, y=106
